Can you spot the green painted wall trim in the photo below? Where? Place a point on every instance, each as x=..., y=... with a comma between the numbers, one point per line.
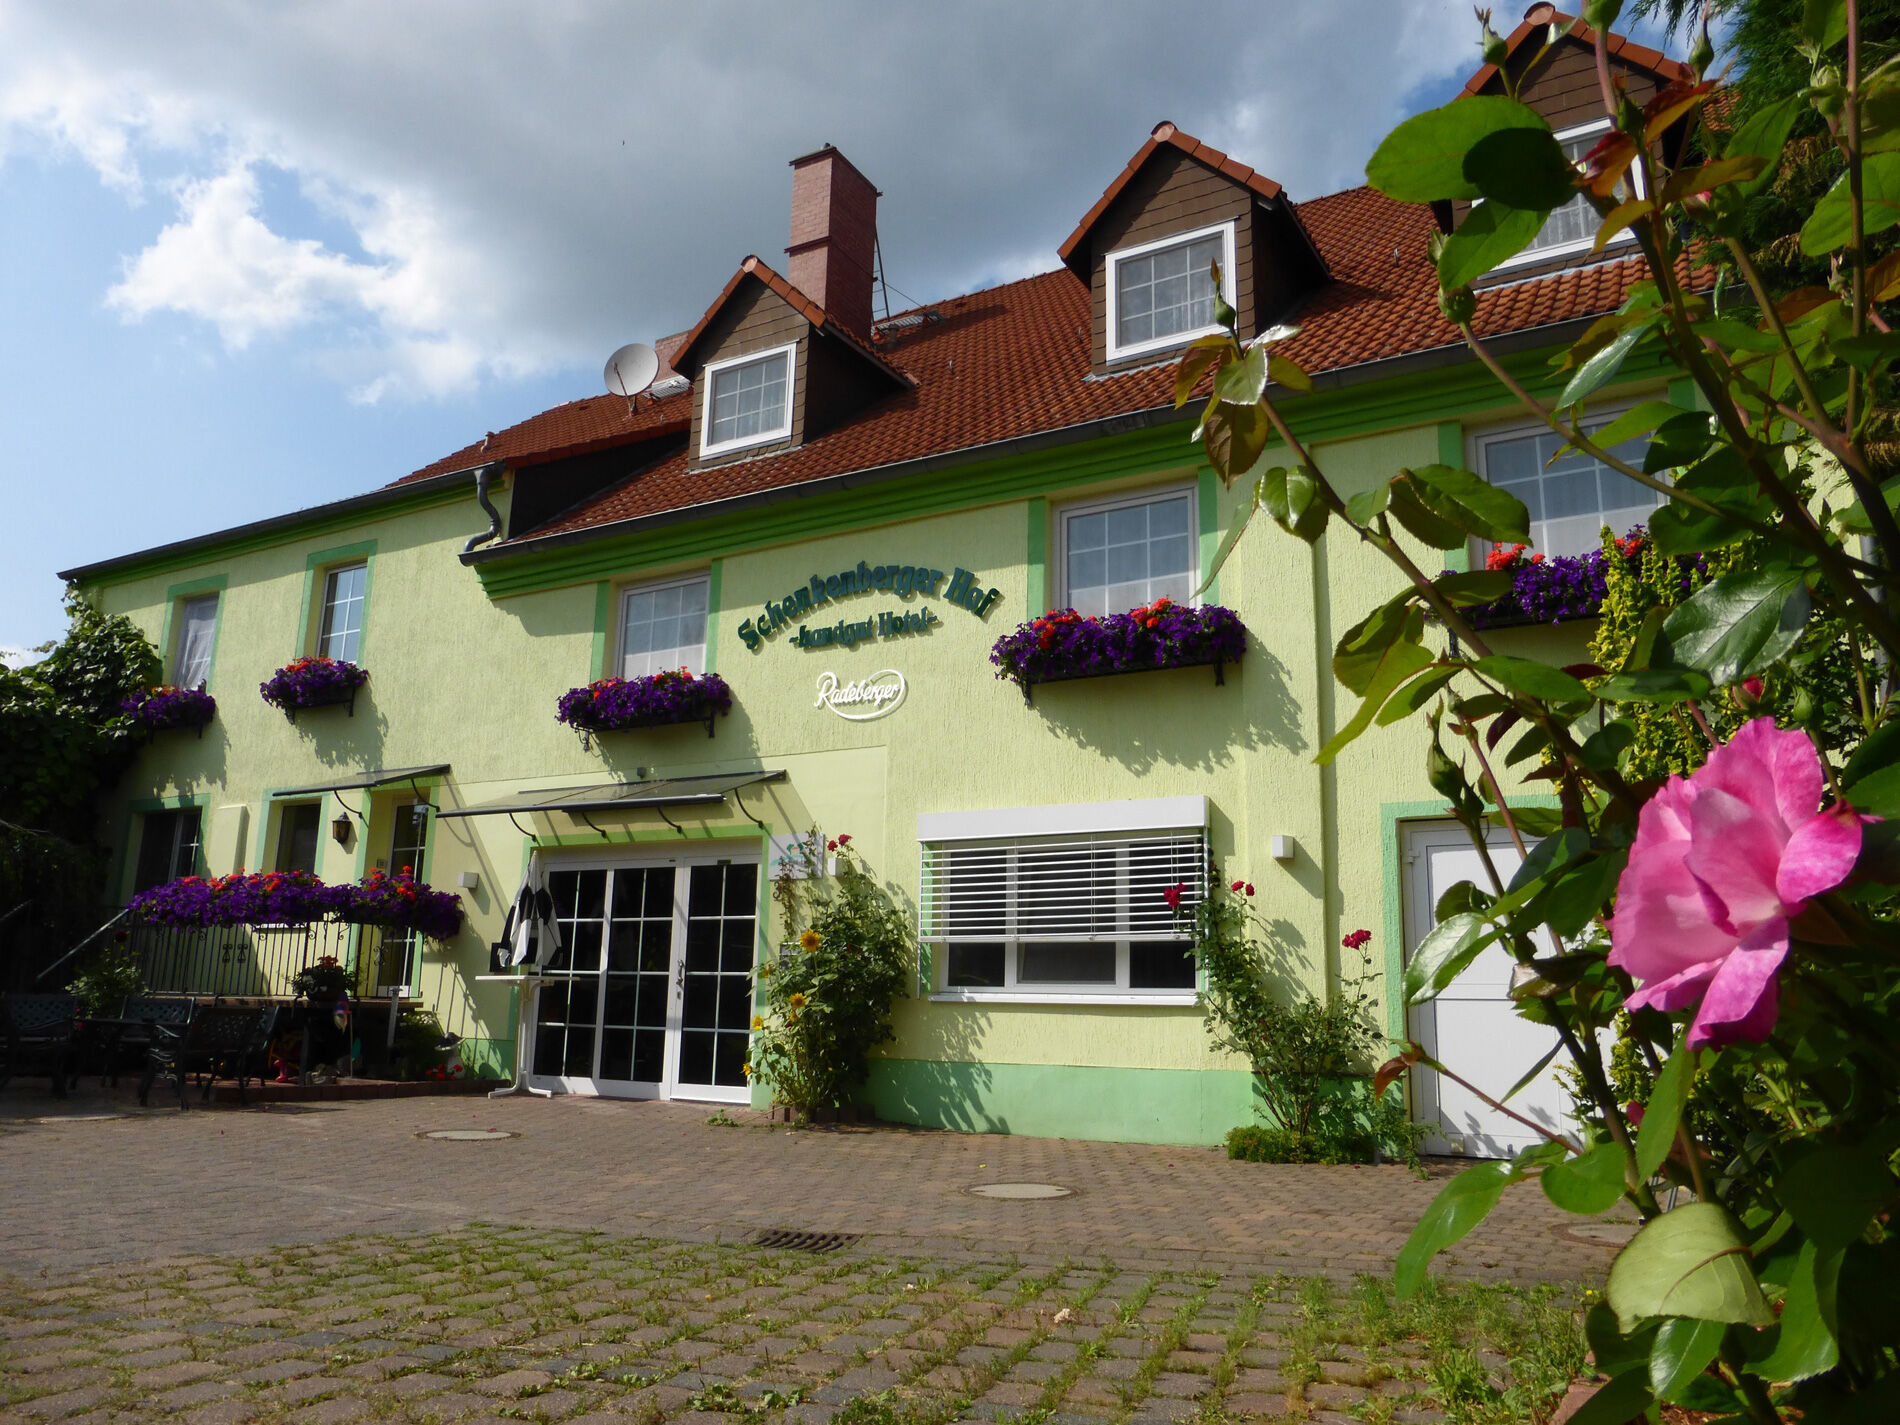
x=712, y=616
x=1207, y=498
x=1391, y=814
x=321, y=523
x=1037, y=560
x=603, y=614
x=318, y=563
x=1063, y=1101
x=1464, y=388
x=167, y=654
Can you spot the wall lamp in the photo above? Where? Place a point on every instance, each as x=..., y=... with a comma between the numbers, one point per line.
x=341, y=831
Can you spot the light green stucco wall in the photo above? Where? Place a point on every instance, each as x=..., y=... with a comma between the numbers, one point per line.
x=463, y=678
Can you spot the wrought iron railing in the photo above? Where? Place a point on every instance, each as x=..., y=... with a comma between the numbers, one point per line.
x=262, y=961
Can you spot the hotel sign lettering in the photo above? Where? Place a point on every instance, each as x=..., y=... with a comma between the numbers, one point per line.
x=906, y=581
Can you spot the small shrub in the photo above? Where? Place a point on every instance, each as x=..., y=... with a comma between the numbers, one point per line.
x=112, y=979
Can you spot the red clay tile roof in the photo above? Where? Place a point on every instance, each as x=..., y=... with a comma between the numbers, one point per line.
x=1014, y=360
x=1621, y=47
x=577, y=428
x=800, y=303
x=1165, y=132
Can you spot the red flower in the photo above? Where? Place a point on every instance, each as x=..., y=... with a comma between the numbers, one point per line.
x=1172, y=895
x=845, y=840
x=1357, y=939
x=1250, y=888
x=831, y=846
x=1236, y=885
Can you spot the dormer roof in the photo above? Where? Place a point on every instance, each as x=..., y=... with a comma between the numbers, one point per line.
x=1536, y=24
x=688, y=362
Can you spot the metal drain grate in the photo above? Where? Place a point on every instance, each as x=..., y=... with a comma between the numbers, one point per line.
x=788, y=1240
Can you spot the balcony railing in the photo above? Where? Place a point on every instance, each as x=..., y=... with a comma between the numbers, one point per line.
x=260, y=962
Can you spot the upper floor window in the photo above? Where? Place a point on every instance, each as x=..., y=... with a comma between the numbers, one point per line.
x=663, y=626
x=299, y=830
x=340, y=630
x=1161, y=294
x=1571, y=228
x=748, y=400
x=168, y=847
x=1570, y=496
x=1117, y=555
x=191, y=653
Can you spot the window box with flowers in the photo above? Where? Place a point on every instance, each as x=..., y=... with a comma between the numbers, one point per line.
x=299, y=898
x=314, y=683
x=1558, y=589
x=162, y=708
x=1063, y=645
x=661, y=699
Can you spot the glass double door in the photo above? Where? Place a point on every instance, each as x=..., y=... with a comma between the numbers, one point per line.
x=650, y=995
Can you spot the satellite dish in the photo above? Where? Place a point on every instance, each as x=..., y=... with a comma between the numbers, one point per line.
x=631, y=369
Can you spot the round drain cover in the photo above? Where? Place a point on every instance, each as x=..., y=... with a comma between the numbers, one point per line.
x=1020, y=1192
x=467, y=1135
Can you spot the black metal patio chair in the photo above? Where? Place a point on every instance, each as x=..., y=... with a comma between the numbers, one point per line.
x=36, y=1037
x=228, y=1038
x=136, y=1026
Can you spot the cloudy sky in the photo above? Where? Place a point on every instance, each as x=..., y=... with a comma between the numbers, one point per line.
x=257, y=256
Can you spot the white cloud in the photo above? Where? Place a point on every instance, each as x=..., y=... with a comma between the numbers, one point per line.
x=491, y=191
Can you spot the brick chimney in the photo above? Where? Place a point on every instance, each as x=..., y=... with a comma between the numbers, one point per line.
x=834, y=237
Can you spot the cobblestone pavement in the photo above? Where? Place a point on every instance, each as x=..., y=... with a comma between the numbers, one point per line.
x=488, y=1323
x=324, y=1263
x=84, y=1192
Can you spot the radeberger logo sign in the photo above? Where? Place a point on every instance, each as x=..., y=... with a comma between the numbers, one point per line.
x=964, y=590
x=866, y=698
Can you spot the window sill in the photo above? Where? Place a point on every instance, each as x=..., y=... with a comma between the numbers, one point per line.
x=1181, y=998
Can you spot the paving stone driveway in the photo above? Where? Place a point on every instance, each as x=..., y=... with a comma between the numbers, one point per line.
x=325, y=1264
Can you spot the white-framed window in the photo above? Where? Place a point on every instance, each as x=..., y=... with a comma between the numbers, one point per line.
x=663, y=626
x=1570, y=496
x=168, y=847
x=191, y=650
x=340, y=625
x=748, y=400
x=1121, y=554
x=1571, y=228
x=1064, y=903
x=1161, y=294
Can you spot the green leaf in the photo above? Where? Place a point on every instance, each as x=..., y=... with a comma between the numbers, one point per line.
x=1233, y=437
x=1524, y=168
x=1443, y=954
x=1830, y=227
x=1229, y=540
x=1362, y=507
x=1835, y=1190
x=1362, y=650
x=1617, y=1401
x=1689, y=1262
x=1869, y=353
x=1880, y=749
x=1684, y=1347
x=1737, y=626
x=1804, y=1347
x=1613, y=1352
x=1490, y=233
x=1680, y=440
x=1603, y=749
x=1574, y=900
x=1587, y=1185
x=1478, y=586
x=1639, y=419
x=1538, y=680
x=1460, y=1206
x=1292, y=497
x=1287, y=372
x=1242, y=381
x=1471, y=502
x=1601, y=367
x=1877, y=793
x=1414, y=695
x=1423, y=159
x=1678, y=529
x=1824, y=23
x=1400, y=662
x=1663, y=1113
x=1549, y=854
x=1764, y=134
x=1654, y=685
x=1419, y=520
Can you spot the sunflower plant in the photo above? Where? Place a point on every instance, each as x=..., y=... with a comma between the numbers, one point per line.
x=826, y=998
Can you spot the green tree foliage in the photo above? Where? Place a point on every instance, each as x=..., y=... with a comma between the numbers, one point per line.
x=827, y=996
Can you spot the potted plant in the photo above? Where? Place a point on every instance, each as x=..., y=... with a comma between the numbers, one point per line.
x=161, y=708
x=1063, y=644
x=616, y=704
x=314, y=683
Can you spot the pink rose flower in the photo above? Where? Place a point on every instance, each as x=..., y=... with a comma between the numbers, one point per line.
x=1723, y=861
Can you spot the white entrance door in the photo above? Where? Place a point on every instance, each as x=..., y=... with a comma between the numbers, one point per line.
x=1473, y=1028
x=651, y=993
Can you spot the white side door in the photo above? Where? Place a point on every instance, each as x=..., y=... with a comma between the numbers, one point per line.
x=1473, y=1028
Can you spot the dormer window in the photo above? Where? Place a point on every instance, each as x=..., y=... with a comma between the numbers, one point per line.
x=748, y=400
x=1161, y=294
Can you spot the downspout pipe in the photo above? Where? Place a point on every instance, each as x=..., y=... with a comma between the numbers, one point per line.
x=484, y=474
